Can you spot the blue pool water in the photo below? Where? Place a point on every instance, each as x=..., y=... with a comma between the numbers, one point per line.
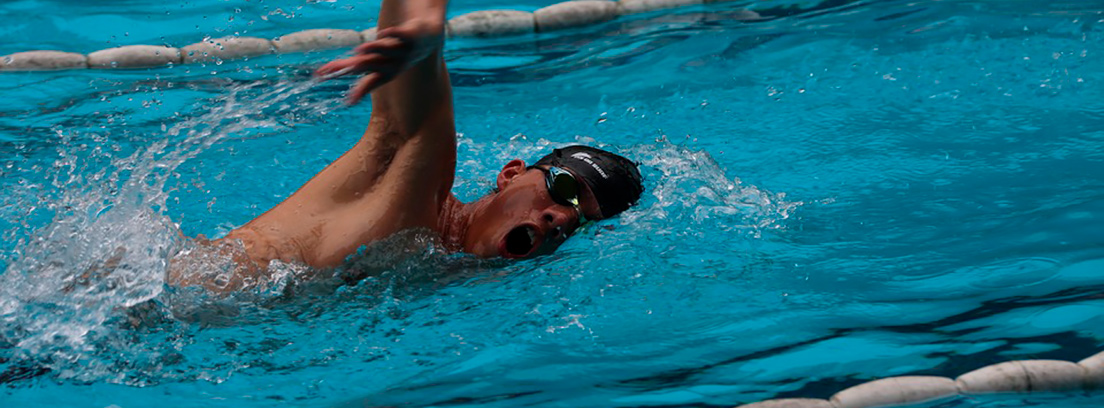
x=834, y=195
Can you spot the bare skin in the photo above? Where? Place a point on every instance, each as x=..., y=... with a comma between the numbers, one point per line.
x=399, y=175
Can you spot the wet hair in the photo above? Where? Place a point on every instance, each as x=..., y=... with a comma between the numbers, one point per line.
x=614, y=180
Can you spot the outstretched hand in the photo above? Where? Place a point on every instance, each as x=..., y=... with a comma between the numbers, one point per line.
x=394, y=50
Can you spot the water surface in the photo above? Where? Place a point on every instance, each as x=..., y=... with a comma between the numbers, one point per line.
x=834, y=195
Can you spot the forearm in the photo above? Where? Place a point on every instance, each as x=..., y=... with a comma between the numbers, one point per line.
x=421, y=94
x=395, y=12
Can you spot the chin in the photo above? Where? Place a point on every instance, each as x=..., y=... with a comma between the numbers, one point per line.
x=484, y=248
x=519, y=242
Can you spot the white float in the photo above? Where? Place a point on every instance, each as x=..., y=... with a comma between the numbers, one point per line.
x=314, y=40
x=368, y=35
x=491, y=23
x=1023, y=376
x=1094, y=371
x=134, y=56
x=480, y=23
x=574, y=14
x=227, y=48
x=643, y=6
x=790, y=403
x=42, y=61
x=895, y=391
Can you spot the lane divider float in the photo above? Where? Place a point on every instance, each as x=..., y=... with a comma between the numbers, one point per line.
x=1024, y=376
x=484, y=23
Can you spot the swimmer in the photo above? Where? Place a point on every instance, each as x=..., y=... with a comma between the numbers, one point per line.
x=399, y=175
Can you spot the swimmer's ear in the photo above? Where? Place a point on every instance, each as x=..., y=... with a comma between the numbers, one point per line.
x=512, y=169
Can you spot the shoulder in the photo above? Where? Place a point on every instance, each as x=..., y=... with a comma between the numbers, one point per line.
x=263, y=245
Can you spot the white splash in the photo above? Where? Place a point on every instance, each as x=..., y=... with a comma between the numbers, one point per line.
x=70, y=287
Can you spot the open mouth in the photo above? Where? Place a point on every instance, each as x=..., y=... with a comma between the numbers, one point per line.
x=520, y=241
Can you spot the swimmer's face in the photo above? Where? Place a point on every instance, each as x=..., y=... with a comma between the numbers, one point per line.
x=522, y=219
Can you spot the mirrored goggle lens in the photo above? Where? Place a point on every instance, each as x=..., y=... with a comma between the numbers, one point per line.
x=564, y=187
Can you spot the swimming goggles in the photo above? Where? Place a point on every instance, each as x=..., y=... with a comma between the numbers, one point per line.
x=564, y=188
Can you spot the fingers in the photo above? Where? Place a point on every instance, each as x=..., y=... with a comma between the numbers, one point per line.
x=398, y=32
x=389, y=47
x=383, y=58
x=363, y=87
x=333, y=69
x=355, y=65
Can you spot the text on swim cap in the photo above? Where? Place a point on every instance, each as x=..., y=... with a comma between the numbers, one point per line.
x=586, y=158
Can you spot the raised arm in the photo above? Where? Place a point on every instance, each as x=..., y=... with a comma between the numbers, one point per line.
x=411, y=95
x=399, y=174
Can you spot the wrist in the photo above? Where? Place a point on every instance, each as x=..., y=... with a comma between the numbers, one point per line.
x=428, y=26
x=432, y=11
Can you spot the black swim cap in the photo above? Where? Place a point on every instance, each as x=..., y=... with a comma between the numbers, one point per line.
x=614, y=180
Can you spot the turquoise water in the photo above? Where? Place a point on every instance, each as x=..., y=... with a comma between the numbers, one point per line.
x=833, y=195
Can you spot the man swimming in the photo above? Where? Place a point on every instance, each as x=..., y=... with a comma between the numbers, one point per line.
x=399, y=175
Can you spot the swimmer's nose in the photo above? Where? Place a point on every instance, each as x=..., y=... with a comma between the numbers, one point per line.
x=557, y=220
